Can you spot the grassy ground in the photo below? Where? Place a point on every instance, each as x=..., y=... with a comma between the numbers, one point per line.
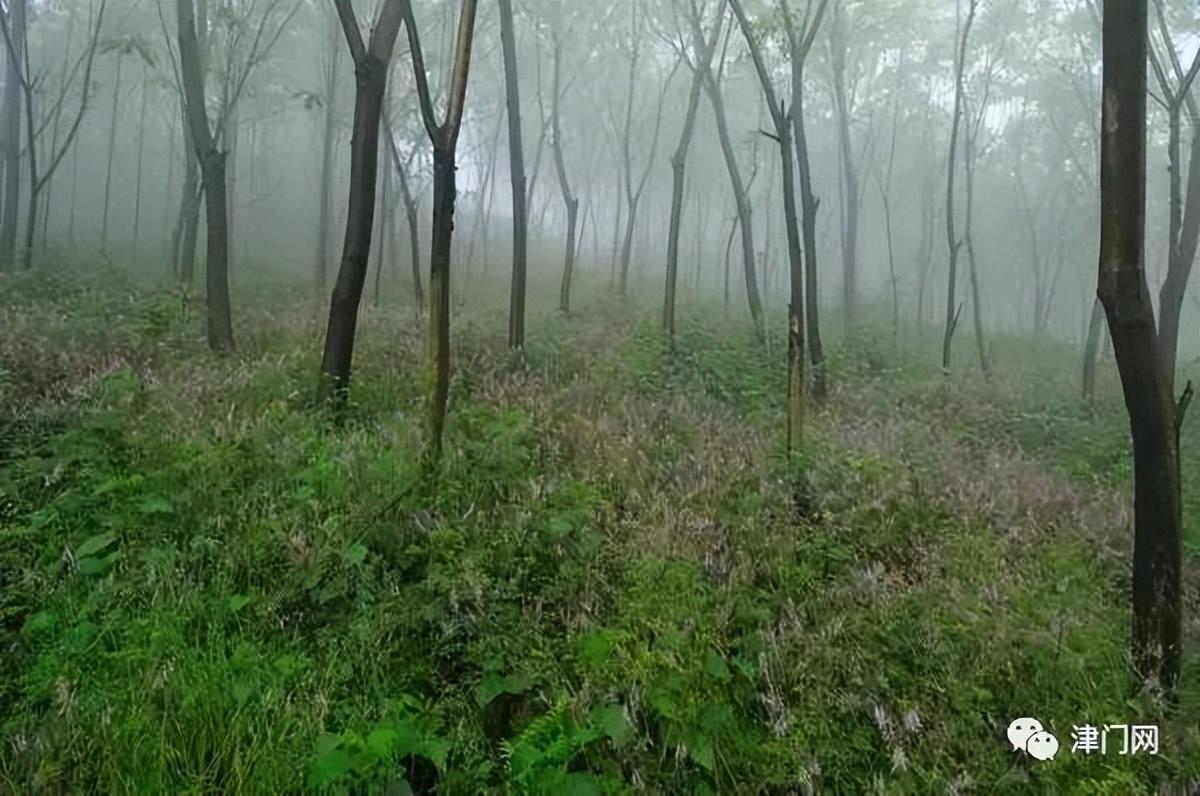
x=208, y=587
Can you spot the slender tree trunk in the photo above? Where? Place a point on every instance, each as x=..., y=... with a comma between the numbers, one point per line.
x=1154, y=427
x=968, y=238
x=183, y=239
x=410, y=213
x=54, y=137
x=809, y=205
x=741, y=202
x=370, y=79
x=849, y=172
x=112, y=146
x=952, y=241
x=1090, y=351
x=137, y=194
x=516, y=160
x=325, y=194
x=212, y=164
x=385, y=207
x=12, y=135
x=703, y=52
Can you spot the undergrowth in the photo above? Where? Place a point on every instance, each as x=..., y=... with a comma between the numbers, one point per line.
x=209, y=587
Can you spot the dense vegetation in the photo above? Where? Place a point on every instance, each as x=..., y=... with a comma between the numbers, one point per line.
x=210, y=586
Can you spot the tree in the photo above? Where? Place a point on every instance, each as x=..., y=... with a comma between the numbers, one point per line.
x=443, y=135
x=703, y=52
x=970, y=159
x=516, y=162
x=800, y=41
x=328, y=123
x=783, y=137
x=1122, y=288
x=410, y=213
x=953, y=242
x=27, y=83
x=241, y=60
x=740, y=191
x=633, y=196
x=1183, y=231
x=15, y=22
x=371, y=61
x=570, y=201
x=837, y=60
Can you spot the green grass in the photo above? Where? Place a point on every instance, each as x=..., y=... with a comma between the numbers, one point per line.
x=206, y=586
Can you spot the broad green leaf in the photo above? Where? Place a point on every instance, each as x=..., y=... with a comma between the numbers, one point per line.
x=95, y=544
x=612, y=722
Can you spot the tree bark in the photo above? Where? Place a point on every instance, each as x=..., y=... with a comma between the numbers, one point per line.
x=410, y=213
x=800, y=42
x=112, y=146
x=703, y=52
x=849, y=172
x=12, y=133
x=325, y=196
x=1122, y=287
x=952, y=241
x=741, y=203
x=516, y=161
x=444, y=137
x=370, y=80
x=570, y=202
x=212, y=166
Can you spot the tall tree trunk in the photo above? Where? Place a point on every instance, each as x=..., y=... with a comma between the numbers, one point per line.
x=703, y=51
x=516, y=161
x=212, y=165
x=808, y=201
x=849, y=172
x=325, y=191
x=783, y=133
x=570, y=202
x=969, y=240
x=12, y=134
x=381, y=254
x=183, y=239
x=741, y=203
x=1184, y=232
x=443, y=134
x=1154, y=427
x=370, y=81
x=952, y=241
x=1091, y=350
x=410, y=214
x=137, y=193
x=112, y=146
x=54, y=136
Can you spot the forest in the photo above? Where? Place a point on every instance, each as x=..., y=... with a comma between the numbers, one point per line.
x=589, y=397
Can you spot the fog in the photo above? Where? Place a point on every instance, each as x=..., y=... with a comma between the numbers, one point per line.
x=1030, y=83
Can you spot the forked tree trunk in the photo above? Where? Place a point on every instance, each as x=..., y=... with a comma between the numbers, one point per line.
x=703, y=52
x=800, y=43
x=569, y=200
x=1154, y=427
x=443, y=134
x=370, y=80
x=741, y=203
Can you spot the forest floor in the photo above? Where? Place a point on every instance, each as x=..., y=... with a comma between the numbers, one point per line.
x=207, y=586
